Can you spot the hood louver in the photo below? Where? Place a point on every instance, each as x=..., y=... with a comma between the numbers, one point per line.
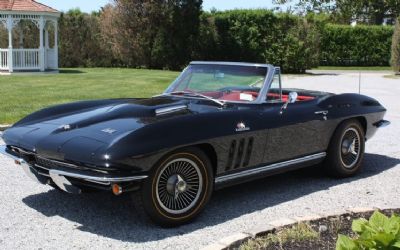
x=169, y=110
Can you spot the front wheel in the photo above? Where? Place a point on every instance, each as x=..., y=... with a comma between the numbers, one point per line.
x=346, y=150
x=178, y=188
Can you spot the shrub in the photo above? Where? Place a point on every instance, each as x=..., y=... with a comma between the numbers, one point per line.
x=379, y=232
x=343, y=45
x=285, y=40
x=395, y=60
x=298, y=49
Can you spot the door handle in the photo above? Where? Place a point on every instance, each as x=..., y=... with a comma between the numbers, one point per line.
x=324, y=113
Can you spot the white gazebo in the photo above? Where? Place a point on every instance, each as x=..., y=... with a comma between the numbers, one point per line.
x=43, y=58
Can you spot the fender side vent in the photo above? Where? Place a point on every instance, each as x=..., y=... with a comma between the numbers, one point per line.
x=239, y=156
x=248, y=152
x=231, y=155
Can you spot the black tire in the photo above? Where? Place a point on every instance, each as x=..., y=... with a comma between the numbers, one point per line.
x=178, y=187
x=346, y=150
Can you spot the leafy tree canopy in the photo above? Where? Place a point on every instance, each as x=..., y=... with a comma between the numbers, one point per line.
x=367, y=11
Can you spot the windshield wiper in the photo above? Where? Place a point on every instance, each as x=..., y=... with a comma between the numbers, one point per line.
x=194, y=94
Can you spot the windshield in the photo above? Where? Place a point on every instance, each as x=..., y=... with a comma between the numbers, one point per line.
x=221, y=82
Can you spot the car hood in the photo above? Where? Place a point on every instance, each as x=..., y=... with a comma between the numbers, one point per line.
x=56, y=131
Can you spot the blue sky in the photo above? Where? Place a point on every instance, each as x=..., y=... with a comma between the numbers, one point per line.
x=91, y=5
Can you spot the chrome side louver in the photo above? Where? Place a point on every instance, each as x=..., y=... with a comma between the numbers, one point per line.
x=169, y=110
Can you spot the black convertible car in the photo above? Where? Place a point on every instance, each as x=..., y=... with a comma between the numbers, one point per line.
x=217, y=124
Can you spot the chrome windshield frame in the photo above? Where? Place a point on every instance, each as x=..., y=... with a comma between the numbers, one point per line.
x=262, y=93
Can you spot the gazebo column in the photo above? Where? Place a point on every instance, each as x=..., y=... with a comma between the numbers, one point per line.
x=21, y=37
x=46, y=38
x=10, y=45
x=41, y=48
x=56, y=44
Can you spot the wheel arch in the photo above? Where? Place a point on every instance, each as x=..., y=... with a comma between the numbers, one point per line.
x=363, y=121
x=207, y=148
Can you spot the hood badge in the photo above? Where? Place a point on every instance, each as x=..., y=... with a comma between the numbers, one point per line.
x=109, y=131
x=241, y=126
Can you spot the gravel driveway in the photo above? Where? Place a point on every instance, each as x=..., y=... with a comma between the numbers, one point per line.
x=37, y=217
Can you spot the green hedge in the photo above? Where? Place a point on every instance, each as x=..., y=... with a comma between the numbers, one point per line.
x=295, y=43
x=260, y=36
x=343, y=45
x=292, y=42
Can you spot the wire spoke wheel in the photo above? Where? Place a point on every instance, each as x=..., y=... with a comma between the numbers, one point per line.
x=350, y=148
x=179, y=185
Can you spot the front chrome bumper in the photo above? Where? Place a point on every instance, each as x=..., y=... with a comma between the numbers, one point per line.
x=62, y=178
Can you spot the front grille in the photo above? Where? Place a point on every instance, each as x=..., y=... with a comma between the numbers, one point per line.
x=46, y=163
x=51, y=164
x=43, y=165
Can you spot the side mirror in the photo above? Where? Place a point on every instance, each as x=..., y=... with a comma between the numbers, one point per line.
x=291, y=99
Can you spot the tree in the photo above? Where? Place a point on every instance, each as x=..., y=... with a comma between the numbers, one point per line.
x=80, y=40
x=184, y=30
x=368, y=11
x=395, y=60
x=152, y=33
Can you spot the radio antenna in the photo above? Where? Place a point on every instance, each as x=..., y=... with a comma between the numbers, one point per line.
x=359, y=83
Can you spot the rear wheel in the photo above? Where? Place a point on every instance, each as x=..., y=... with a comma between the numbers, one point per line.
x=346, y=150
x=178, y=188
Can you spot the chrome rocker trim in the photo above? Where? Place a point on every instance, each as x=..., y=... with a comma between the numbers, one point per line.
x=59, y=177
x=256, y=171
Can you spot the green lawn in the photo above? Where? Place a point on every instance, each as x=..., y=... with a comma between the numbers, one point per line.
x=366, y=68
x=23, y=94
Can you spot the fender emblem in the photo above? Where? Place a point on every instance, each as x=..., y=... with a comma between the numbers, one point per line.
x=241, y=127
x=65, y=127
x=109, y=131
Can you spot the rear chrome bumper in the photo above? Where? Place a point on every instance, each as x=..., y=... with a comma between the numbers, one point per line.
x=62, y=178
x=382, y=124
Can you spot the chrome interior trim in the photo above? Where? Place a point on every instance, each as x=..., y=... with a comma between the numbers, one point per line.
x=169, y=110
x=267, y=168
x=230, y=63
x=96, y=179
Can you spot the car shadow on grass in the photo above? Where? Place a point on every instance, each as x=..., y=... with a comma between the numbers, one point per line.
x=115, y=217
x=71, y=71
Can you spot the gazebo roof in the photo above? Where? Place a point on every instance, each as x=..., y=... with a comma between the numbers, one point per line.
x=25, y=6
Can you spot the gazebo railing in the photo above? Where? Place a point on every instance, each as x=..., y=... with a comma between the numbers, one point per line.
x=51, y=59
x=26, y=59
x=3, y=59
